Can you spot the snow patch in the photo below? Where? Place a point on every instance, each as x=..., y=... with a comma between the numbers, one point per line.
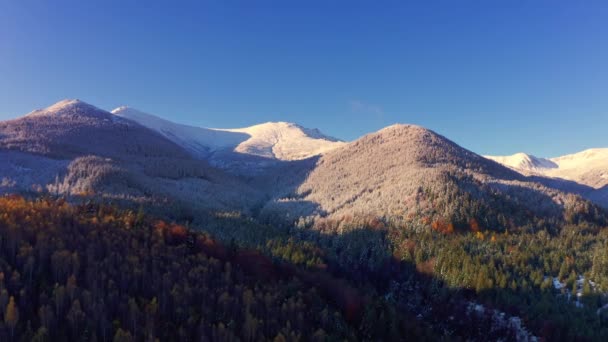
x=500, y=320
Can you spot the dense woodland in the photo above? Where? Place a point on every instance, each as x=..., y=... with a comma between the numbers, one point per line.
x=550, y=271
x=96, y=272
x=92, y=272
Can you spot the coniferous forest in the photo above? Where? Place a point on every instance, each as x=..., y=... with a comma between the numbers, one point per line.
x=93, y=271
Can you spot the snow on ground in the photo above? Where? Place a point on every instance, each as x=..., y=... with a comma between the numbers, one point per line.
x=589, y=167
x=580, y=281
x=274, y=140
x=284, y=141
x=524, y=161
x=502, y=321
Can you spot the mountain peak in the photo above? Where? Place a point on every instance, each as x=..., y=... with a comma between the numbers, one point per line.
x=402, y=126
x=414, y=134
x=524, y=161
x=285, y=129
x=65, y=103
x=69, y=107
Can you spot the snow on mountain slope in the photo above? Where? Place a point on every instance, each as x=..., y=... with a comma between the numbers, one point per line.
x=199, y=141
x=273, y=140
x=72, y=147
x=284, y=141
x=589, y=167
x=523, y=161
x=424, y=174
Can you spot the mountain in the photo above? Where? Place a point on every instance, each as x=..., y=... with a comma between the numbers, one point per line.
x=402, y=221
x=73, y=128
x=241, y=147
x=426, y=174
x=276, y=169
x=73, y=147
x=523, y=161
x=200, y=142
x=589, y=167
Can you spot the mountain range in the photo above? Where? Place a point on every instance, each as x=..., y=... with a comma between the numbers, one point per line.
x=282, y=171
x=589, y=167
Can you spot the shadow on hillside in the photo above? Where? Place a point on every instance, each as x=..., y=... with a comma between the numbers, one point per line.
x=280, y=184
x=362, y=256
x=524, y=202
x=366, y=277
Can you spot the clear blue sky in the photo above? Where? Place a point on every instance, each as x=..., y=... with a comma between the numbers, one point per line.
x=497, y=77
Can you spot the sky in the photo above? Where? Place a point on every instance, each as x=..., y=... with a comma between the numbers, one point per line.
x=497, y=77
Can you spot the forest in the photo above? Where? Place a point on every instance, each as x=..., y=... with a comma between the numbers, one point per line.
x=94, y=272
x=97, y=271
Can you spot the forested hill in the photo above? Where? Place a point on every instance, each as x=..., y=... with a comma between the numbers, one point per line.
x=92, y=272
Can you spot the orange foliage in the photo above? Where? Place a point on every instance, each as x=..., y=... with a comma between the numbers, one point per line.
x=474, y=225
x=178, y=233
x=426, y=267
x=443, y=227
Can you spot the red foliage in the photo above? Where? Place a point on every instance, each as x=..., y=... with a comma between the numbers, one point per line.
x=177, y=234
x=211, y=248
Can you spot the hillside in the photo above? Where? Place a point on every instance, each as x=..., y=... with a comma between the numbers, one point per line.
x=95, y=273
x=72, y=128
x=434, y=235
x=243, y=150
x=75, y=148
x=286, y=170
x=589, y=167
x=406, y=170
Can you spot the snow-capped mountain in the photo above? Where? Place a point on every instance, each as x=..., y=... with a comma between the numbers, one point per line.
x=523, y=161
x=284, y=141
x=426, y=174
x=72, y=128
x=73, y=147
x=589, y=167
x=272, y=140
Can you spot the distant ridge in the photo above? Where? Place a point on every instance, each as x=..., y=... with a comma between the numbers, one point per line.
x=285, y=169
x=272, y=140
x=523, y=161
x=589, y=167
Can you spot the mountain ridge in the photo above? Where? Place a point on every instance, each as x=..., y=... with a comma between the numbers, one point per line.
x=588, y=167
x=272, y=167
x=272, y=140
x=426, y=175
